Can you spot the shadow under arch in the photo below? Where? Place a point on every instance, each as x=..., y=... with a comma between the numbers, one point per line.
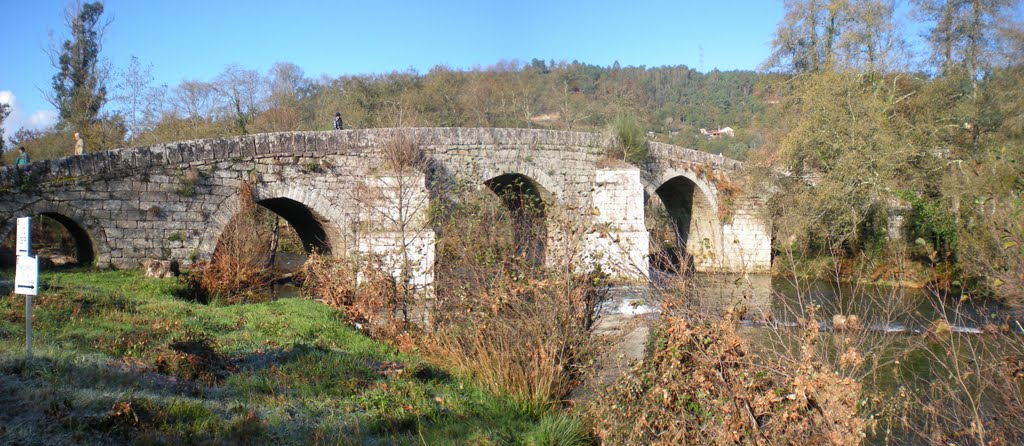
x=83, y=247
x=306, y=224
x=525, y=201
x=682, y=231
x=246, y=235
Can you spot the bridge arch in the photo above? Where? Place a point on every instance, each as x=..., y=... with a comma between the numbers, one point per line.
x=526, y=202
x=689, y=206
x=90, y=248
x=311, y=215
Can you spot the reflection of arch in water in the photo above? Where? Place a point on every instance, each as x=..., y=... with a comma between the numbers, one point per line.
x=85, y=249
x=690, y=208
x=524, y=199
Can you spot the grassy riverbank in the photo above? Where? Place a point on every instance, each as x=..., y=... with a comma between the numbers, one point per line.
x=119, y=358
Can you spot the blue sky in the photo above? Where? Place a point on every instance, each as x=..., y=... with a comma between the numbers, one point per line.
x=191, y=39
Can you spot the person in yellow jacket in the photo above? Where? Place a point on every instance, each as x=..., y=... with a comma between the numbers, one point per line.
x=79, y=145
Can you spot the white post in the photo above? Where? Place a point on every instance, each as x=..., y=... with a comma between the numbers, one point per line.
x=26, y=276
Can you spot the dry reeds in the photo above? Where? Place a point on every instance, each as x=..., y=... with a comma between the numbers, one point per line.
x=525, y=337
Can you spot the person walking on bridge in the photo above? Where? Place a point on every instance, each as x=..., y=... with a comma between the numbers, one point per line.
x=22, y=157
x=79, y=145
x=337, y=121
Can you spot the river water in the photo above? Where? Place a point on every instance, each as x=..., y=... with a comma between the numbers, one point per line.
x=778, y=301
x=768, y=303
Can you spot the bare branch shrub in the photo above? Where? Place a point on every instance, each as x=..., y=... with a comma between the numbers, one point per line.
x=705, y=385
x=241, y=265
x=498, y=316
x=516, y=326
x=959, y=386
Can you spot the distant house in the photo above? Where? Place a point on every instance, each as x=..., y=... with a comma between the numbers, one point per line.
x=715, y=134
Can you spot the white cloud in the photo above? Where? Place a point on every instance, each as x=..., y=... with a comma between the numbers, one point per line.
x=41, y=119
x=36, y=120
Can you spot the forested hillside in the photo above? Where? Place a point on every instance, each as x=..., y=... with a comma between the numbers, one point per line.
x=671, y=101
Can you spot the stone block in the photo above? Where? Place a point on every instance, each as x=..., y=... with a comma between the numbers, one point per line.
x=160, y=268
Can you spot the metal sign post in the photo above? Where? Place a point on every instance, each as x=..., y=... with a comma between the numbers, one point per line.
x=26, y=277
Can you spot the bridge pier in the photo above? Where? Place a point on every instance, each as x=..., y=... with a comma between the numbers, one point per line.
x=617, y=240
x=393, y=230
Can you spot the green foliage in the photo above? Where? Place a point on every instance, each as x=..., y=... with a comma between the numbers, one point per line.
x=933, y=222
x=631, y=140
x=78, y=89
x=840, y=159
x=559, y=431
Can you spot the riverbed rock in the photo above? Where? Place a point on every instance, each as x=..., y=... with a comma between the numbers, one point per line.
x=160, y=268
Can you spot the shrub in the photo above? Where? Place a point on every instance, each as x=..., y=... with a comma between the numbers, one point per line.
x=631, y=141
x=336, y=282
x=702, y=386
x=514, y=326
x=241, y=265
x=194, y=357
x=523, y=336
x=995, y=251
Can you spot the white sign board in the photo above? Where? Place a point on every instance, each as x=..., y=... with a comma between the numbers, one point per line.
x=26, y=275
x=24, y=237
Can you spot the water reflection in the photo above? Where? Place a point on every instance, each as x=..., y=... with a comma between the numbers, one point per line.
x=786, y=302
x=779, y=301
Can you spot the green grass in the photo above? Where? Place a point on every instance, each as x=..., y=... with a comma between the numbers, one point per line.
x=287, y=371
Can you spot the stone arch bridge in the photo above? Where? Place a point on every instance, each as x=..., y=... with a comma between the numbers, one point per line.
x=341, y=194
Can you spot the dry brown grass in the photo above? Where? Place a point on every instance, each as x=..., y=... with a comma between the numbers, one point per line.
x=365, y=295
x=526, y=337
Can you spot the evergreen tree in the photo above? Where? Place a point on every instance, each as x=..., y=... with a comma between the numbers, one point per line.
x=79, y=91
x=5, y=110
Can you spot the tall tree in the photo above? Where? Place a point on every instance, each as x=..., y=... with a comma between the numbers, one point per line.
x=139, y=100
x=243, y=92
x=194, y=102
x=79, y=89
x=286, y=109
x=964, y=34
x=817, y=35
x=5, y=110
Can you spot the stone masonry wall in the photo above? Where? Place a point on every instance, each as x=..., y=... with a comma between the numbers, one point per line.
x=618, y=239
x=173, y=200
